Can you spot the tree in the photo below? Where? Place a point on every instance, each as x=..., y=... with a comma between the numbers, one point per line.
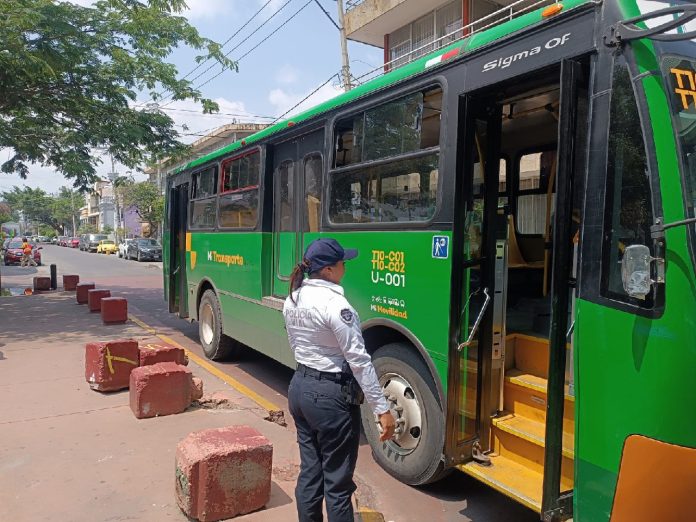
x=148, y=202
x=66, y=207
x=34, y=205
x=5, y=212
x=69, y=77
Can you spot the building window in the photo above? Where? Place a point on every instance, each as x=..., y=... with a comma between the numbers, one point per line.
x=426, y=34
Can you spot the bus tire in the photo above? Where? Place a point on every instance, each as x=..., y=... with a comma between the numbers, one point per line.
x=413, y=457
x=216, y=345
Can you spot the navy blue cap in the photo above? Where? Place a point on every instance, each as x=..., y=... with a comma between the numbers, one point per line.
x=326, y=251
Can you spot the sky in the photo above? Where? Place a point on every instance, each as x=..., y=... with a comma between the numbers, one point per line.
x=272, y=78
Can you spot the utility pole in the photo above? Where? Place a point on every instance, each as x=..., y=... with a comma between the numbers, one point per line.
x=345, y=70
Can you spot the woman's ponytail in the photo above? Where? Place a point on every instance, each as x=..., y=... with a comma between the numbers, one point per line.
x=297, y=276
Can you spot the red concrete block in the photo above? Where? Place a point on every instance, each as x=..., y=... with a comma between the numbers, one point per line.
x=70, y=282
x=42, y=283
x=114, y=310
x=153, y=354
x=108, y=365
x=81, y=292
x=222, y=473
x=160, y=389
x=94, y=298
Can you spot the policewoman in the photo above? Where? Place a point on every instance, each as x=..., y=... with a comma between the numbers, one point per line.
x=333, y=372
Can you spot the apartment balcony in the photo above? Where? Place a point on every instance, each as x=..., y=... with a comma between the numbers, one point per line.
x=371, y=21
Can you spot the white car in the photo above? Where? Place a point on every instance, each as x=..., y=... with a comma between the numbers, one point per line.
x=123, y=246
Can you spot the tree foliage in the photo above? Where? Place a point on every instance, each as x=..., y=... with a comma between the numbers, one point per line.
x=69, y=77
x=54, y=211
x=145, y=197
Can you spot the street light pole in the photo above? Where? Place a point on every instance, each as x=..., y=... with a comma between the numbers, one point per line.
x=345, y=70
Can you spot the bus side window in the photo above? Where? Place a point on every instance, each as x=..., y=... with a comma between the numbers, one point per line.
x=312, y=188
x=202, y=205
x=629, y=210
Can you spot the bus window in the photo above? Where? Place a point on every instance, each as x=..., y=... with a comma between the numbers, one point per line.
x=285, y=179
x=629, y=213
x=408, y=124
x=681, y=78
x=536, y=170
x=238, y=203
x=202, y=205
x=312, y=187
x=204, y=183
x=398, y=191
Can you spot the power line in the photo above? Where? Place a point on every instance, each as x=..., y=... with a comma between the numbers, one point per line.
x=224, y=68
x=164, y=91
x=218, y=114
x=306, y=97
x=327, y=14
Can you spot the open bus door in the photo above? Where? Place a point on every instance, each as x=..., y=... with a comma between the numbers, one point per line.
x=470, y=362
x=488, y=411
x=177, y=218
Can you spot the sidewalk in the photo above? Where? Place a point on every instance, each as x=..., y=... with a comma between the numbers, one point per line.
x=72, y=454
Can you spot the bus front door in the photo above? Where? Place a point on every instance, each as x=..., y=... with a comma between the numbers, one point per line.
x=178, y=211
x=473, y=287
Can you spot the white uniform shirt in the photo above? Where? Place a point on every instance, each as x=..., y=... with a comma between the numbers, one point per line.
x=324, y=330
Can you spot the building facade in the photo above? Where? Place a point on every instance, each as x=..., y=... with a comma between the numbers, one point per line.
x=407, y=29
x=99, y=210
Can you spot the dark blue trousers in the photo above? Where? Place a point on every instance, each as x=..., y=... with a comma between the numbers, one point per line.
x=328, y=432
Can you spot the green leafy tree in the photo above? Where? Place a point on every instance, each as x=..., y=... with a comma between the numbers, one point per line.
x=35, y=205
x=5, y=212
x=66, y=207
x=70, y=76
x=87, y=228
x=147, y=201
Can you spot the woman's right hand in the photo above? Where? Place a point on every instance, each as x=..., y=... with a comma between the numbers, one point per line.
x=388, y=425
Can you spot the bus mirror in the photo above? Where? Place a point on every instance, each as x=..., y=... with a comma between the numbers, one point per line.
x=635, y=271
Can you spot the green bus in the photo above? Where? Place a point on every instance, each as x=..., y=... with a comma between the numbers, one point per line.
x=523, y=202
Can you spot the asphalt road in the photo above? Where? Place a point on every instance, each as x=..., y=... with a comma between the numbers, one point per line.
x=456, y=498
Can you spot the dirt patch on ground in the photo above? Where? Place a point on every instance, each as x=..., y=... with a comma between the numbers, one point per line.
x=286, y=473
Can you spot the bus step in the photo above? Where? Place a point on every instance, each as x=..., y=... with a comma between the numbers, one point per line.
x=510, y=478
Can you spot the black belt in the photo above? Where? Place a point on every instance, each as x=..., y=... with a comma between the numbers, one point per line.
x=329, y=376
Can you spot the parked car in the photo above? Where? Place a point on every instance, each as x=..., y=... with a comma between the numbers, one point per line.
x=13, y=253
x=106, y=246
x=54, y=240
x=90, y=242
x=123, y=246
x=144, y=249
x=73, y=242
x=61, y=240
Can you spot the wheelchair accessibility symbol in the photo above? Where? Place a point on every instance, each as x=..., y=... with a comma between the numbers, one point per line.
x=440, y=247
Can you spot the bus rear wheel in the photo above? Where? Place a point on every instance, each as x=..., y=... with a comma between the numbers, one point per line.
x=413, y=456
x=216, y=345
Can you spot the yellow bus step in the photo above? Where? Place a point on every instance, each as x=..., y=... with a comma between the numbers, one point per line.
x=510, y=478
x=532, y=431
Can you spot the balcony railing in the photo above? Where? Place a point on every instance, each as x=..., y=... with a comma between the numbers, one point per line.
x=352, y=4
x=505, y=14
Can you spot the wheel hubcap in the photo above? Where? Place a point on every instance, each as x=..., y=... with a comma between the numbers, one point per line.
x=406, y=410
x=207, y=323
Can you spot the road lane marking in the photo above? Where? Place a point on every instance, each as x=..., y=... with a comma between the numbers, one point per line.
x=241, y=388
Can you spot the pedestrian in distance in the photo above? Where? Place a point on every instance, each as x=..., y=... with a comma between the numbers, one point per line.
x=334, y=374
x=27, y=258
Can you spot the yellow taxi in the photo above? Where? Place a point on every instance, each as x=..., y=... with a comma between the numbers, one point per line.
x=106, y=246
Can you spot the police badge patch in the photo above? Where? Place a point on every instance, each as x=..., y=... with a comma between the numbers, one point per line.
x=347, y=316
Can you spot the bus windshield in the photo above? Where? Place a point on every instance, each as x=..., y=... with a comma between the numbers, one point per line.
x=681, y=79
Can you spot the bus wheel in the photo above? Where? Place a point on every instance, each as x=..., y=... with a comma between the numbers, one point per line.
x=216, y=345
x=413, y=456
